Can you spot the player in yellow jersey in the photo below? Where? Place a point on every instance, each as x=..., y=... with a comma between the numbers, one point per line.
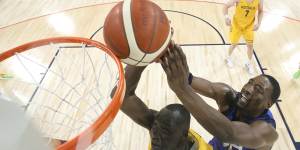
x=169, y=128
x=244, y=23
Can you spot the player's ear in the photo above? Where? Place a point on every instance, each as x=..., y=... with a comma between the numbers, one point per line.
x=270, y=103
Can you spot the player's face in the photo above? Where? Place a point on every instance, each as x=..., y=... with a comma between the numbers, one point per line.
x=256, y=94
x=165, y=134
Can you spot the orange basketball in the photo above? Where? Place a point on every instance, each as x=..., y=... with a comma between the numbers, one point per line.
x=138, y=31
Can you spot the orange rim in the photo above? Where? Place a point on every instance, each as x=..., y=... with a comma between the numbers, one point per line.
x=103, y=121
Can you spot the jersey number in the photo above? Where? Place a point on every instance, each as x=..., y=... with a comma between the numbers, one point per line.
x=247, y=12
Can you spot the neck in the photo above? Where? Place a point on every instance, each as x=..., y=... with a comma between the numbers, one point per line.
x=242, y=115
x=185, y=145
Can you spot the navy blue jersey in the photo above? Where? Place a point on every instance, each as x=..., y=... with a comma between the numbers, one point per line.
x=231, y=115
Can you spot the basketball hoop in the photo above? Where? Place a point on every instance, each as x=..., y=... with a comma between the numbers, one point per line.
x=64, y=84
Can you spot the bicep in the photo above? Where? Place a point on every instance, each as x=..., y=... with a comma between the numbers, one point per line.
x=203, y=87
x=135, y=108
x=254, y=136
x=209, y=89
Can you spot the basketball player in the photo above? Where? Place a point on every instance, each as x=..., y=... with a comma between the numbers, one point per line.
x=243, y=25
x=169, y=127
x=243, y=121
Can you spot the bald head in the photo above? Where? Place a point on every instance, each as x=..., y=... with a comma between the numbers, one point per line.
x=175, y=115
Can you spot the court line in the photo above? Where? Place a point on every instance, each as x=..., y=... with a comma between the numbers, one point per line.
x=201, y=20
x=94, y=34
x=174, y=11
x=41, y=81
x=262, y=69
x=93, y=5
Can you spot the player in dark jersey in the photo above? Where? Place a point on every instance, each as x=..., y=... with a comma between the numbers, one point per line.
x=243, y=120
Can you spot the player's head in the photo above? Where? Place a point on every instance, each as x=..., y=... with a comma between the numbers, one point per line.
x=260, y=93
x=170, y=127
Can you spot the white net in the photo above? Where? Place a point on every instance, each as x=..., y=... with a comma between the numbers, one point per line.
x=64, y=88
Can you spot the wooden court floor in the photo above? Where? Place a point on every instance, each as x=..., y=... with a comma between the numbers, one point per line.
x=200, y=26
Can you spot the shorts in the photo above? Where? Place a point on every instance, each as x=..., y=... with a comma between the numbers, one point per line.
x=236, y=33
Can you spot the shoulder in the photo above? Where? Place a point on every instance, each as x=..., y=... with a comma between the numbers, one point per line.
x=151, y=118
x=223, y=91
x=225, y=96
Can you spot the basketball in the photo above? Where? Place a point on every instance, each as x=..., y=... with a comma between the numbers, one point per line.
x=137, y=31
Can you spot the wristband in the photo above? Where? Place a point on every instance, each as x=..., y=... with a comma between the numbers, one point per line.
x=190, y=78
x=226, y=16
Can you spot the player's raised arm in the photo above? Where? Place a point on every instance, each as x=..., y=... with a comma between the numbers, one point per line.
x=132, y=105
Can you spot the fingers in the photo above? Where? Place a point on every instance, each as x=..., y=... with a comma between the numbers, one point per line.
x=165, y=65
x=175, y=54
x=169, y=63
x=174, y=60
x=181, y=57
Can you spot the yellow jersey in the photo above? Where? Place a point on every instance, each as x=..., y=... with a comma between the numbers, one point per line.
x=245, y=12
x=199, y=143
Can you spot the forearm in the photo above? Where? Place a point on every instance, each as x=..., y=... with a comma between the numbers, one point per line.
x=225, y=10
x=203, y=87
x=211, y=119
x=259, y=17
x=132, y=77
x=132, y=105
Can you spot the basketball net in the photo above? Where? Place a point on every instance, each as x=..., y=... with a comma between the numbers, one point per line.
x=64, y=87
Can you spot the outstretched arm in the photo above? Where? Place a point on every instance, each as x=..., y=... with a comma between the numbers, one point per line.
x=132, y=105
x=214, y=90
x=257, y=135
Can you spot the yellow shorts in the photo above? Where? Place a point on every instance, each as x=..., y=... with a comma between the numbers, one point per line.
x=236, y=33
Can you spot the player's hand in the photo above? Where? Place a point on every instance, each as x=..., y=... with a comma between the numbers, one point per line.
x=256, y=27
x=176, y=68
x=228, y=21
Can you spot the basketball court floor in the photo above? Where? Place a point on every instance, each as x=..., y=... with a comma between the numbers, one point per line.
x=200, y=28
